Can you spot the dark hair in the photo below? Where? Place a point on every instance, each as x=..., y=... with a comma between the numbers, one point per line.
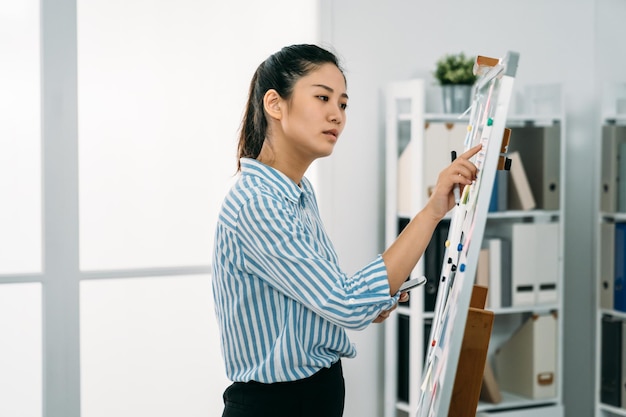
x=279, y=72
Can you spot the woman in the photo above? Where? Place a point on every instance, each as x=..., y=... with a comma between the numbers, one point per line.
x=282, y=301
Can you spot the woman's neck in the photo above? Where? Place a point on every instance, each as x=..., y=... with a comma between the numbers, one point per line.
x=292, y=167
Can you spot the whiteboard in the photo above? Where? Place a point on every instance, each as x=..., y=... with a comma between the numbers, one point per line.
x=491, y=95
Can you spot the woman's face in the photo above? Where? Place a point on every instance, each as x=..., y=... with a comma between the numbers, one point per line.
x=316, y=113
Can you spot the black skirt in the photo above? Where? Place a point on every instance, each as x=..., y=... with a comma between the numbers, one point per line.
x=321, y=394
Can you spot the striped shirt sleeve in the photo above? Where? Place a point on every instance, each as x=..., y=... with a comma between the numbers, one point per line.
x=281, y=248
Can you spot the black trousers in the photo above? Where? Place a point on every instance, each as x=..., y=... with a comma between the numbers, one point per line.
x=320, y=395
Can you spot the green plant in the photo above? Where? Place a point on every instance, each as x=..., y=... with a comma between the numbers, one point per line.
x=455, y=69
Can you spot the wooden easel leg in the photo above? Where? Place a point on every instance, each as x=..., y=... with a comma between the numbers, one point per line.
x=471, y=366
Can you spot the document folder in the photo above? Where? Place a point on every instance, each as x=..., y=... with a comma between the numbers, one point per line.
x=612, y=137
x=607, y=265
x=535, y=263
x=526, y=363
x=540, y=150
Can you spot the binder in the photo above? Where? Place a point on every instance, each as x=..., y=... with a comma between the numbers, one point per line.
x=535, y=263
x=436, y=154
x=523, y=265
x=428, y=325
x=505, y=274
x=439, y=140
x=482, y=269
x=539, y=148
x=402, y=223
x=619, y=292
x=406, y=182
x=547, y=250
x=458, y=133
x=623, y=381
x=520, y=195
x=612, y=137
x=433, y=260
x=499, y=294
x=499, y=195
x=611, y=361
x=607, y=264
x=403, y=364
x=490, y=390
x=621, y=178
x=494, y=296
x=526, y=363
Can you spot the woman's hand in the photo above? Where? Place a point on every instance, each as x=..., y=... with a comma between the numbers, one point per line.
x=404, y=297
x=462, y=172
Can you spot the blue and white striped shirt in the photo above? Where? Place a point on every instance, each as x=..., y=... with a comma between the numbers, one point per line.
x=282, y=302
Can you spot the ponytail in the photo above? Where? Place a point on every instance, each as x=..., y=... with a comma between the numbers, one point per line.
x=254, y=124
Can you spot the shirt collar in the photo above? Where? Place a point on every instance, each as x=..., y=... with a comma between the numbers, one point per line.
x=279, y=180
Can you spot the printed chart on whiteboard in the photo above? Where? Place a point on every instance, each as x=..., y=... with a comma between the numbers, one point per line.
x=491, y=95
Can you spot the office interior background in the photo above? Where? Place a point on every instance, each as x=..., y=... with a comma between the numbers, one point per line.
x=118, y=127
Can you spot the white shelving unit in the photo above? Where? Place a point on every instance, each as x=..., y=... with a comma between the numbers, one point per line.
x=610, y=212
x=406, y=118
x=404, y=108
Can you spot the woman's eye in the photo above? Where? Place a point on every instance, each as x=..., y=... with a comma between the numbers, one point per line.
x=344, y=106
x=323, y=98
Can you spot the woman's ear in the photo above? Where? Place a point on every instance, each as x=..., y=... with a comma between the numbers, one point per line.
x=272, y=104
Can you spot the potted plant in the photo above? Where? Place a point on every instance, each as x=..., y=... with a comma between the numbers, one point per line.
x=455, y=73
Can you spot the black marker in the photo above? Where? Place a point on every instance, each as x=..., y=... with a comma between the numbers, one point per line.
x=456, y=190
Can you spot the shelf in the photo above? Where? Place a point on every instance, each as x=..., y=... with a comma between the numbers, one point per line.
x=535, y=309
x=613, y=410
x=510, y=401
x=615, y=119
x=403, y=406
x=446, y=117
x=517, y=215
x=517, y=120
x=613, y=216
x=545, y=215
x=405, y=311
x=613, y=313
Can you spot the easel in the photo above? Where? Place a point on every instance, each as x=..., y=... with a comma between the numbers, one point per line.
x=455, y=362
x=475, y=344
x=469, y=372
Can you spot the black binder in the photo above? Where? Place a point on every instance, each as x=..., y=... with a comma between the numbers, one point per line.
x=403, y=364
x=611, y=361
x=433, y=260
x=403, y=357
x=402, y=223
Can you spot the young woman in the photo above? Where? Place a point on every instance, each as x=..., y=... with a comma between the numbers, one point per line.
x=282, y=301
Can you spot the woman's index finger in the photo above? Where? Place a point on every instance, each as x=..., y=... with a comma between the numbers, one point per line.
x=472, y=151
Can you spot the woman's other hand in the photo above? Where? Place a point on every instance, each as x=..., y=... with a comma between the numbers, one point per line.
x=404, y=297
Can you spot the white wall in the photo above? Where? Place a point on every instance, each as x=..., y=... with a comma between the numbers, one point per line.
x=572, y=42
